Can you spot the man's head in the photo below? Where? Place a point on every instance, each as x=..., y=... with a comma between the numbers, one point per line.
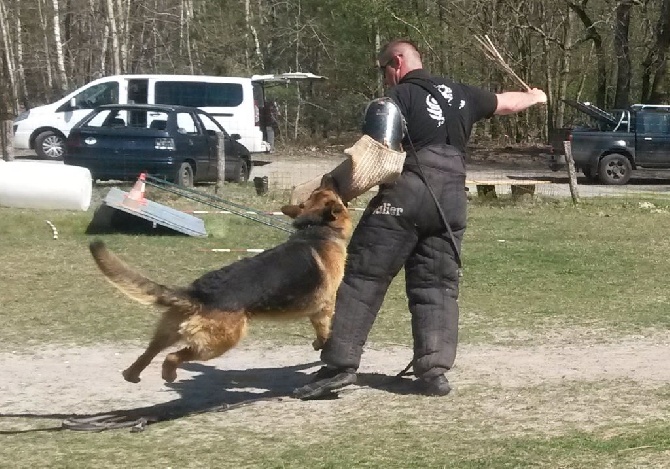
x=396, y=59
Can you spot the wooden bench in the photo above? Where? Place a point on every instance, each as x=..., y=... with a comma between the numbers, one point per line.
x=519, y=187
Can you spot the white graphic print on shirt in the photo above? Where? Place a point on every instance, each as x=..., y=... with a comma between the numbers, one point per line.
x=433, y=107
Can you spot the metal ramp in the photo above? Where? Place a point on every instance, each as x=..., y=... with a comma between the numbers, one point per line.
x=155, y=213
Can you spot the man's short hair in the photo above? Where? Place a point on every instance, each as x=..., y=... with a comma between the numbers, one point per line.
x=385, y=54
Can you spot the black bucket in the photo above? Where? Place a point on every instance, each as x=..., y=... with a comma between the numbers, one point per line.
x=261, y=185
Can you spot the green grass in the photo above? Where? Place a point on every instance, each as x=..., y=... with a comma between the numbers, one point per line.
x=593, y=273
x=353, y=441
x=527, y=268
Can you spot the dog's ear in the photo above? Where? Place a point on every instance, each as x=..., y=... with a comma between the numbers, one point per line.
x=328, y=182
x=292, y=210
x=333, y=210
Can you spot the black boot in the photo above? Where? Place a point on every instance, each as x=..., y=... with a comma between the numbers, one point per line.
x=437, y=386
x=325, y=381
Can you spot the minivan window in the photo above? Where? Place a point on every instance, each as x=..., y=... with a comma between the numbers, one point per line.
x=198, y=94
x=97, y=95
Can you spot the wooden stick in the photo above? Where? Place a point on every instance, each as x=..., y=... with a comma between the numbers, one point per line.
x=572, y=173
x=492, y=54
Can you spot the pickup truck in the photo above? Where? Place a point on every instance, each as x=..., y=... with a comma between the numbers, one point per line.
x=616, y=143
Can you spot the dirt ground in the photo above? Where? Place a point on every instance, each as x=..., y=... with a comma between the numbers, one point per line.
x=61, y=381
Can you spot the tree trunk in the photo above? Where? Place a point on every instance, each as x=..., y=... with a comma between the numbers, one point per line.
x=654, y=66
x=20, y=68
x=593, y=35
x=622, y=50
x=116, y=57
x=123, y=9
x=659, y=89
x=247, y=22
x=11, y=103
x=47, y=55
x=60, y=56
x=565, y=62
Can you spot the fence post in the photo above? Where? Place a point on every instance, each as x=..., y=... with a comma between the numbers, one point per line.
x=6, y=140
x=220, y=161
x=572, y=174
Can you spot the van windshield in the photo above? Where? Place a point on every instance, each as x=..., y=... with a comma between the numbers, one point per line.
x=198, y=94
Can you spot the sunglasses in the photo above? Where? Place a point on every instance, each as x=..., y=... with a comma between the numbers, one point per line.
x=382, y=68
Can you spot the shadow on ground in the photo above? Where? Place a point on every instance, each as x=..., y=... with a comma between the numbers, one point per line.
x=209, y=390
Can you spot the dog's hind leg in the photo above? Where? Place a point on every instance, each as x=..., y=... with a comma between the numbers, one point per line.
x=321, y=323
x=159, y=343
x=166, y=334
x=208, y=337
x=174, y=359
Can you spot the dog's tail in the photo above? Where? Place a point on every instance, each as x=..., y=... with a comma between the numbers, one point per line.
x=133, y=284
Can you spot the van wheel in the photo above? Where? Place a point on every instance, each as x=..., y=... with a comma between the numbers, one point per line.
x=615, y=169
x=50, y=146
x=185, y=175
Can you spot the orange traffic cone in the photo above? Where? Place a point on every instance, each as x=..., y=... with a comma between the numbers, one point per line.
x=136, y=195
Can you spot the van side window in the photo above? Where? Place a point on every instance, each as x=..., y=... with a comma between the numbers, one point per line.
x=97, y=95
x=198, y=94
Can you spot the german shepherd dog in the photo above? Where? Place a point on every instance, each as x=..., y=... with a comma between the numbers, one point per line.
x=298, y=278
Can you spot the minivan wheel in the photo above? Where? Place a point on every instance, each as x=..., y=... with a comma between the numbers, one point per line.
x=49, y=145
x=615, y=169
x=185, y=175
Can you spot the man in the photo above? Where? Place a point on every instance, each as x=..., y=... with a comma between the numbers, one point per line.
x=423, y=233
x=270, y=122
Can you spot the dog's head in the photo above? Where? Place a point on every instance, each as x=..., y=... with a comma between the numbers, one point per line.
x=324, y=207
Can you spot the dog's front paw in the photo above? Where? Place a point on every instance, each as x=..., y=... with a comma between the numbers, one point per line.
x=130, y=376
x=318, y=344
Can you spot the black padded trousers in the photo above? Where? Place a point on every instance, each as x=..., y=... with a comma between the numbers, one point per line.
x=402, y=227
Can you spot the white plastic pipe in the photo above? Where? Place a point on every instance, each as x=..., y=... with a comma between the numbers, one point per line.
x=25, y=184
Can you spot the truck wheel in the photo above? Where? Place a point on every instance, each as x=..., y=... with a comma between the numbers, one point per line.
x=185, y=175
x=49, y=145
x=615, y=169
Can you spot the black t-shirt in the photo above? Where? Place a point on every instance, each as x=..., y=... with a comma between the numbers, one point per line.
x=424, y=117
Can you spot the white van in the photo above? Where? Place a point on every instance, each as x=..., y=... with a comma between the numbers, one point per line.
x=233, y=101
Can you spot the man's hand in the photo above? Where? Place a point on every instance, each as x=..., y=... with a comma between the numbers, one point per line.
x=516, y=101
x=540, y=96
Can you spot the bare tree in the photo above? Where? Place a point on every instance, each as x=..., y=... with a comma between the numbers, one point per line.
x=12, y=104
x=655, y=65
x=20, y=69
x=60, y=56
x=114, y=36
x=622, y=49
x=593, y=35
